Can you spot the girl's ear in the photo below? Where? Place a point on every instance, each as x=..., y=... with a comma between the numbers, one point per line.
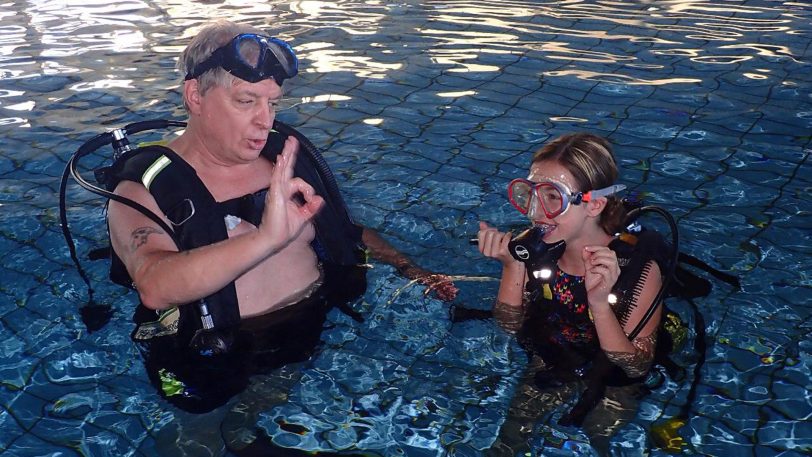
x=594, y=207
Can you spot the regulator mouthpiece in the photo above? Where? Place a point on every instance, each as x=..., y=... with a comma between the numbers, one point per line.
x=539, y=257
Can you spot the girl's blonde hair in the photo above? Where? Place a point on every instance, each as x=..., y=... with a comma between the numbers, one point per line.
x=590, y=160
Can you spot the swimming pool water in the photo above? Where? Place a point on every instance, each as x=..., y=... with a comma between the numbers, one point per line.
x=425, y=110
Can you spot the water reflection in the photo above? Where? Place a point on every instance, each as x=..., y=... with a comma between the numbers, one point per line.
x=616, y=78
x=701, y=96
x=338, y=36
x=328, y=59
x=131, y=46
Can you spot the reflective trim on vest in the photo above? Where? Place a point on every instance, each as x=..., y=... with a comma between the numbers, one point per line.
x=154, y=169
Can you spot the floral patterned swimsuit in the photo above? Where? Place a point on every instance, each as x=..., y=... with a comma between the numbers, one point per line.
x=570, y=312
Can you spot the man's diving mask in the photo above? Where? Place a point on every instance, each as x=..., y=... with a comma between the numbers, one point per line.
x=252, y=58
x=553, y=198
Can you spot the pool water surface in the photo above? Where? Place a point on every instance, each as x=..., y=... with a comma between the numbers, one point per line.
x=425, y=111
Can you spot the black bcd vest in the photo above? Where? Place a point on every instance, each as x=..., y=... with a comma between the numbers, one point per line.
x=633, y=252
x=198, y=220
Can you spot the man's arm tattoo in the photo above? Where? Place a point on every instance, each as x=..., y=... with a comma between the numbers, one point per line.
x=140, y=235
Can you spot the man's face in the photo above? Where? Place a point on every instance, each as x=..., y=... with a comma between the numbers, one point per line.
x=236, y=119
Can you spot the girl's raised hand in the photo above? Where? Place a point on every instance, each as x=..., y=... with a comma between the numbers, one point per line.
x=602, y=271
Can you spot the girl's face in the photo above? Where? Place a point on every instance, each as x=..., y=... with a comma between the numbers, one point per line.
x=566, y=225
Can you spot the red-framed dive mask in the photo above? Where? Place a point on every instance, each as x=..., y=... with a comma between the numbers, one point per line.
x=553, y=198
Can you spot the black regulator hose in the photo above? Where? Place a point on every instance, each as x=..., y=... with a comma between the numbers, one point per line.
x=315, y=155
x=108, y=138
x=86, y=148
x=63, y=219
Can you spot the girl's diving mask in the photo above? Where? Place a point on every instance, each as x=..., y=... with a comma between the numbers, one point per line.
x=552, y=197
x=252, y=58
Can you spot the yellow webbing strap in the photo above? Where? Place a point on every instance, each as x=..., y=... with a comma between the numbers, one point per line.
x=153, y=170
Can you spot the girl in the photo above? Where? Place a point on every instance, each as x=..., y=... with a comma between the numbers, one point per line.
x=592, y=301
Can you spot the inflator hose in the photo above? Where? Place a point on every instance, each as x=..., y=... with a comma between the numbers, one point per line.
x=318, y=160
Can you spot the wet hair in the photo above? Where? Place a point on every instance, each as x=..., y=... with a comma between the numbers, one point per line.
x=591, y=161
x=211, y=37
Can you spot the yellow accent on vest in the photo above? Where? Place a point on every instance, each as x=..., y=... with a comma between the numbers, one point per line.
x=548, y=293
x=152, y=171
x=143, y=144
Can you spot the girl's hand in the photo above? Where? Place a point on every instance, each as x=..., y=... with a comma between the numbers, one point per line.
x=602, y=271
x=494, y=244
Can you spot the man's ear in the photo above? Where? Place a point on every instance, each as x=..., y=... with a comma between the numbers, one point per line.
x=191, y=95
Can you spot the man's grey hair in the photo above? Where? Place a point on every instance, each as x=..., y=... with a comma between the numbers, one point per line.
x=211, y=37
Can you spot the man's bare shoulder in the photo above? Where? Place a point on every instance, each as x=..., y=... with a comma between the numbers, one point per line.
x=130, y=229
x=134, y=192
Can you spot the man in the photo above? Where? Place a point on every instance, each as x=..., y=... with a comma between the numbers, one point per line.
x=246, y=254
